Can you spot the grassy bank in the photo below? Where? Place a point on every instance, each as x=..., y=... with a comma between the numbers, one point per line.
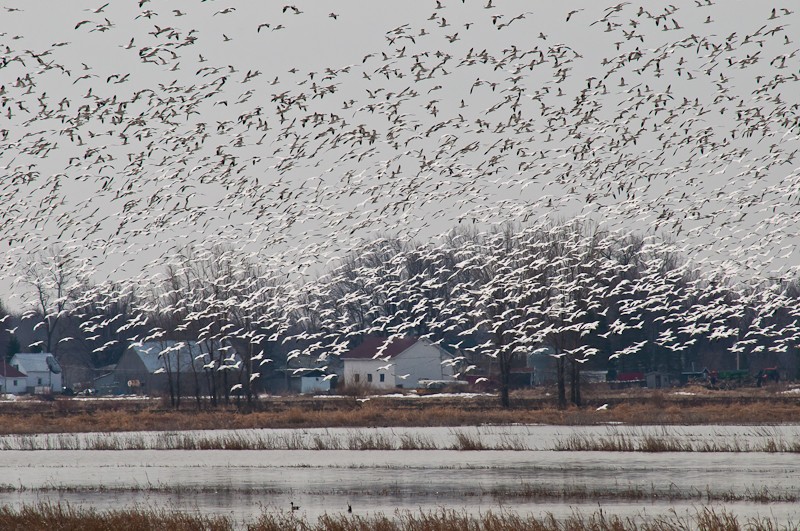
x=459, y=440
x=705, y=519
x=634, y=407
x=66, y=518
x=760, y=439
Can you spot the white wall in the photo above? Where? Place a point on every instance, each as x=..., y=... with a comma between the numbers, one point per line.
x=314, y=384
x=39, y=378
x=9, y=387
x=422, y=361
x=366, y=368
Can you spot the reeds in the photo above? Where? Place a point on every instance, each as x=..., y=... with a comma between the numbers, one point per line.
x=255, y=440
x=762, y=440
x=65, y=517
x=706, y=519
x=468, y=442
x=68, y=518
x=409, y=441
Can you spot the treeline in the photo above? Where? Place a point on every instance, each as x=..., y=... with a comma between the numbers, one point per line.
x=593, y=296
x=596, y=298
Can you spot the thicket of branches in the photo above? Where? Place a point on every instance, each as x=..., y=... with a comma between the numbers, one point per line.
x=592, y=296
x=595, y=298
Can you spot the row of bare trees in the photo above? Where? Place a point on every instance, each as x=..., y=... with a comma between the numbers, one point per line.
x=591, y=296
x=231, y=308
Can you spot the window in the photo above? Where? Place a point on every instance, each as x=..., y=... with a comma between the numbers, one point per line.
x=356, y=377
x=382, y=375
x=369, y=377
x=15, y=383
x=40, y=381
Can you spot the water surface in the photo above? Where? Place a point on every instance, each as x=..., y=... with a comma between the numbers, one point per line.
x=242, y=483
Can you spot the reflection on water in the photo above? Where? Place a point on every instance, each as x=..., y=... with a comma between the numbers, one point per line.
x=242, y=483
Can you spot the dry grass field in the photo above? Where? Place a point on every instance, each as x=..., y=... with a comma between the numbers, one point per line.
x=684, y=406
x=66, y=518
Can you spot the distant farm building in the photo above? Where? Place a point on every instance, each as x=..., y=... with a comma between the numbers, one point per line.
x=42, y=371
x=147, y=368
x=12, y=380
x=399, y=363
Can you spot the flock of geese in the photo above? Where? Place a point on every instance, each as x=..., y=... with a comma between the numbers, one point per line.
x=138, y=138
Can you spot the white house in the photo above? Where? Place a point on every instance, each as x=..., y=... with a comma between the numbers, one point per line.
x=400, y=363
x=12, y=381
x=41, y=368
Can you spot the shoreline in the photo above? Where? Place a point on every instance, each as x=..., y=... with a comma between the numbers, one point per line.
x=636, y=407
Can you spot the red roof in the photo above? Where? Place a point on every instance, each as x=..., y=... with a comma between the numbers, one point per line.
x=369, y=348
x=10, y=372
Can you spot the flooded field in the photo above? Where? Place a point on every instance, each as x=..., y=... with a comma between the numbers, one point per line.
x=506, y=437
x=528, y=476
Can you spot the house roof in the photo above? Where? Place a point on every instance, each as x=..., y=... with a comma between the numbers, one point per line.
x=374, y=346
x=8, y=371
x=184, y=352
x=29, y=362
x=151, y=353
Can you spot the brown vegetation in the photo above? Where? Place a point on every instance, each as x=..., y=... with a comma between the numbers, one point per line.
x=67, y=518
x=448, y=520
x=634, y=407
x=667, y=442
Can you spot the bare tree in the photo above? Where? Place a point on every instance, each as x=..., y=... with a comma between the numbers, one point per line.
x=56, y=282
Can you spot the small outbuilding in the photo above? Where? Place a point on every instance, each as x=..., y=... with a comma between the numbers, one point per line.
x=12, y=380
x=315, y=381
x=657, y=380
